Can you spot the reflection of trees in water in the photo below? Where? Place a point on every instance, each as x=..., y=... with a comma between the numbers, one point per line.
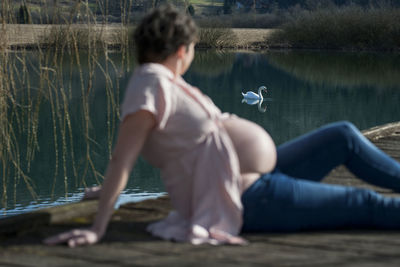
x=212, y=62
x=298, y=106
x=340, y=68
x=60, y=116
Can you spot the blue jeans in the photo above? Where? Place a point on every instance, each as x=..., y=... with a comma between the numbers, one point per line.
x=291, y=197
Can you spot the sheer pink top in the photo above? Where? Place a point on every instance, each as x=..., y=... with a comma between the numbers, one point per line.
x=199, y=165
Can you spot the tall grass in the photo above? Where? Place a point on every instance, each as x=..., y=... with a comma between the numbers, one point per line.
x=67, y=37
x=13, y=121
x=64, y=53
x=216, y=37
x=108, y=37
x=349, y=28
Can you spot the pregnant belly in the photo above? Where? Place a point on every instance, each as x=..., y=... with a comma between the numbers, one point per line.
x=254, y=146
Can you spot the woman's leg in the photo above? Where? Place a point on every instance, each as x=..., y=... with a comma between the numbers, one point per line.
x=315, y=154
x=277, y=202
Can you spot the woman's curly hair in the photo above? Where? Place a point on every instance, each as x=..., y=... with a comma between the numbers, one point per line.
x=162, y=32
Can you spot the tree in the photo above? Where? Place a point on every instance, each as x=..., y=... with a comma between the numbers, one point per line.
x=228, y=6
x=191, y=10
x=23, y=15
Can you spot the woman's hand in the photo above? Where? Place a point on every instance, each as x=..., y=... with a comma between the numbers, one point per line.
x=92, y=193
x=76, y=237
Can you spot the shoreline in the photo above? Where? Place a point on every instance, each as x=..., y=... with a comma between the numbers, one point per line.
x=31, y=36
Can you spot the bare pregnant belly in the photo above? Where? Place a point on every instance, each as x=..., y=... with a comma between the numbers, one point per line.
x=254, y=146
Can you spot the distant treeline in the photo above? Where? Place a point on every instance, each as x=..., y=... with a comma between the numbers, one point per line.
x=320, y=3
x=66, y=11
x=127, y=11
x=265, y=6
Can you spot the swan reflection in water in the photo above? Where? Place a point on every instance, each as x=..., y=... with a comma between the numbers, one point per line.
x=252, y=98
x=254, y=102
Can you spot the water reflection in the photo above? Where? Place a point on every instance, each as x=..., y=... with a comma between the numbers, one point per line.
x=61, y=119
x=300, y=103
x=212, y=63
x=257, y=102
x=352, y=70
x=64, y=117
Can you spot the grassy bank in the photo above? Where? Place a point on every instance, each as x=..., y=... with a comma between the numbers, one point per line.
x=116, y=36
x=120, y=37
x=346, y=28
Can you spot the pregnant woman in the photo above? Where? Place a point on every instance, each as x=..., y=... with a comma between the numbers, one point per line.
x=224, y=174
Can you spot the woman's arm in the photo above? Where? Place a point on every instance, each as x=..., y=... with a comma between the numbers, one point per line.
x=132, y=135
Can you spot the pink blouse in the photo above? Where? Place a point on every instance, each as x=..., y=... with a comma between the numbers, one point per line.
x=198, y=162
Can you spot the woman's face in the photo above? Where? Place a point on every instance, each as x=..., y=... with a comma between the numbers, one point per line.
x=188, y=58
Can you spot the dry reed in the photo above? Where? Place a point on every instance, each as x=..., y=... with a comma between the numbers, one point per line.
x=23, y=102
x=349, y=28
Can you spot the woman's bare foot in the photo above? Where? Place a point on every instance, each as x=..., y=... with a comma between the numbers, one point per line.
x=92, y=193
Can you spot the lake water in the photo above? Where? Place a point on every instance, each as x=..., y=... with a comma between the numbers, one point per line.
x=63, y=140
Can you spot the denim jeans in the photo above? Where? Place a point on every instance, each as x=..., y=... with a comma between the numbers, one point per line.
x=291, y=197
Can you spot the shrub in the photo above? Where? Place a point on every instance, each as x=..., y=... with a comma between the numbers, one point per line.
x=244, y=20
x=24, y=16
x=191, y=10
x=350, y=27
x=122, y=37
x=67, y=37
x=216, y=38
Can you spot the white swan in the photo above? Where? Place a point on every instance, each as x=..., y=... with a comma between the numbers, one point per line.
x=252, y=95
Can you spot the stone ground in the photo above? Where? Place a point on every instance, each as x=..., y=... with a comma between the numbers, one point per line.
x=128, y=244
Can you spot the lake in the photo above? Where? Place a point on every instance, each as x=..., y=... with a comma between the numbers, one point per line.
x=60, y=116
